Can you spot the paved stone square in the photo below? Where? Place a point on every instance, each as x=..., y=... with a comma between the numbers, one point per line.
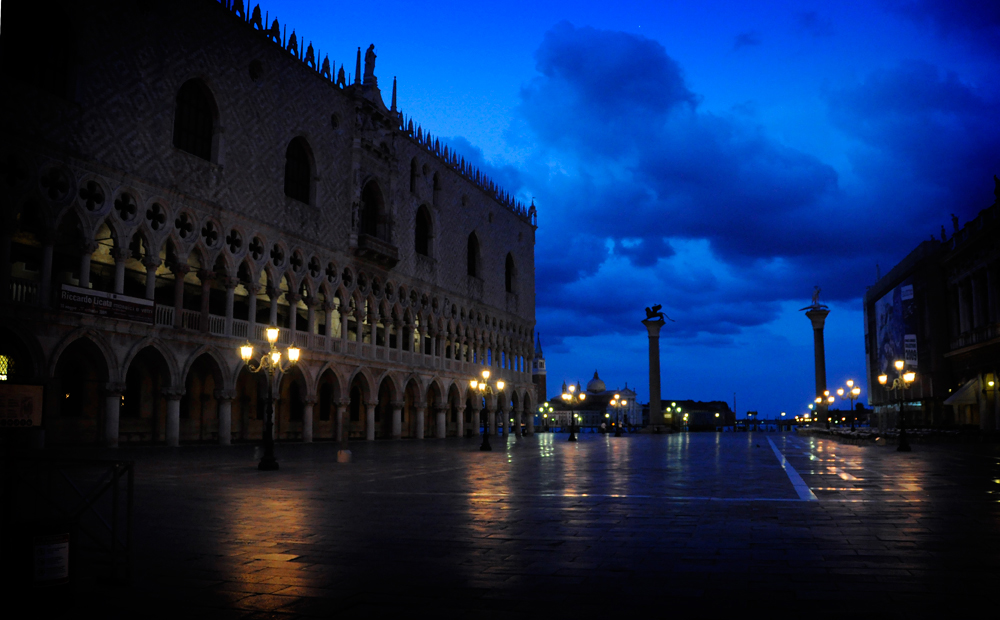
x=701, y=525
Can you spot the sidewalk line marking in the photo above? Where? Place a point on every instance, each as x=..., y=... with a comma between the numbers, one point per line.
x=805, y=493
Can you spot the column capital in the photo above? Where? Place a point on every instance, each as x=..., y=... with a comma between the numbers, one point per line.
x=230, y=282
x=397, y=404
x=173, y=393
x=120, y=254
x=343, y=402
x=225, y=394
x=151, y=262
x=292, y=297
x=114, y=388
x=88, y=247
x=206, y=275
x=309, y=401
x=180, y=268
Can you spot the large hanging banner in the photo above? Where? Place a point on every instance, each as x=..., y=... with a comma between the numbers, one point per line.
x=113, y=306
x=896, y=328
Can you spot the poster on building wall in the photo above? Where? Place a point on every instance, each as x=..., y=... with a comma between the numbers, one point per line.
x=76, y=299
x=20, y=405
x=896, y=328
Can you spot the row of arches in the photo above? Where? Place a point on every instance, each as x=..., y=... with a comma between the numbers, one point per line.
x=154, y=396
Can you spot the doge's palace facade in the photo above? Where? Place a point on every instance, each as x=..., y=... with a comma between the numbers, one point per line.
x=180, y=175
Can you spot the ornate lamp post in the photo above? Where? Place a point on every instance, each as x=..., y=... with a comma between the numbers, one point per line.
x=901, y=382
x=573, y=399
x=618, y=403
x=546, y=410
x=270, y=362
x=851, y=393
x=486, y=389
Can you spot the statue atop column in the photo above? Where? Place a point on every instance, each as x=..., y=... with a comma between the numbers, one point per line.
x=815, y=305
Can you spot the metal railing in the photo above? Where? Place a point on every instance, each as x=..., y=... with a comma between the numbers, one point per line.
x=23, y=291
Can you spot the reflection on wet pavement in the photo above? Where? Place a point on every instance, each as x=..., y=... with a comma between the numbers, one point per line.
x=544, y=526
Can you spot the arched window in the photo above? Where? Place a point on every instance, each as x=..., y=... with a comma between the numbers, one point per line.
x=194, y=119
x=437, y=190
x=373, y=212
x=423, y=234
x=298, y=171
x=509, y=274
x=413, y=175
x=472, y=257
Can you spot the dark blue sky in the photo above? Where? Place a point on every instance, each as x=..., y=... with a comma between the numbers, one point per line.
x=719, y=159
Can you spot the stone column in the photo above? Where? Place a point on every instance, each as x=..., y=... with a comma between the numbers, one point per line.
x=230, y=283
x=252, y=289
x=517, y=421
x=112, y=406
x=328, y=315
x=343, y=328
x=440, y=423
x=273, y=292
x=655, y=407
x=310, y=315
x=224, y=402
x=307, y=420
x=397, y=419
x=817, y=315
x=86, y=250
x=421, y=412
x=151, y=263
x=343, y=424
x=120, y=255
x=505, y=422
x=293, y=311
x=206, y=278
x=370, y=422
x=173, y=419
x=179, y=272
x=529, y=426
x=45, y=286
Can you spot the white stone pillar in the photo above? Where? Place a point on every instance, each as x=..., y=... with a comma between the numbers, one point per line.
x=440, y=423
x=224, y=403
x=529, y=425
x=421, y=412
x=206, y=278
x=307, y=421
x=505, y=421
x=293, y=312
x=328, y=314
x=311, y=315
x=173, y=420
x=120, y=255
x=491, y=421
x=179, y=272
x=87, y=249
x=252, y=309
x=230, y=284
x=273, y=292
x=517, y=421
x=370, y=422
x=151, y=263
x=112, y=407
x=343, y=424
x=397, y=420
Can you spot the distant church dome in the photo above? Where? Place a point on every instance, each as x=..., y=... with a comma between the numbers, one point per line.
x=596, y=385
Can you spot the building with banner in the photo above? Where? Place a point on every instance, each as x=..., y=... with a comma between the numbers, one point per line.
x=938, y=310
x=181, y=175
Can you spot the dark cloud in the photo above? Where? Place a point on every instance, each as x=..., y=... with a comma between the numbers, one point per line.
x=815, y=24
x=746, y=39
x=954, y=17
x=645, y=198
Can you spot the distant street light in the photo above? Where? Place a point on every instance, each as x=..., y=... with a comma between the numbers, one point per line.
x=545, y=409
x=270, y=362
x=572, y=399
x=618, y=403
x=851, y=393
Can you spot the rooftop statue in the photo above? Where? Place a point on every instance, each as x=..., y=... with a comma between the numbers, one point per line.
x=370, y=61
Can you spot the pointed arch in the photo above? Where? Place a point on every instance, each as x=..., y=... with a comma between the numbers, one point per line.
x=473, y=256
x=299, y=166
x=195, y=120
x=424, y=232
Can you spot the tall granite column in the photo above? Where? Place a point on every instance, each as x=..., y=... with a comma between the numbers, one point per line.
x=655, y=407
x=817, y=315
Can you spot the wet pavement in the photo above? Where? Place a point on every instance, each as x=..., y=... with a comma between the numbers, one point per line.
x=702, y=525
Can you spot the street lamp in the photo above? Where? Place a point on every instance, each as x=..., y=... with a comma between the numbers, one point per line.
x=485, y=389
x=545, y=409
x=270, y=362
x=572, y=399
x=618, y=403
x=851, y=393
x=901, y=382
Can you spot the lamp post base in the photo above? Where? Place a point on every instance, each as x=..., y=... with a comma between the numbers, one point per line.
x=485, y=447
x=572, y=434
x=618, y=431
x=267, y=464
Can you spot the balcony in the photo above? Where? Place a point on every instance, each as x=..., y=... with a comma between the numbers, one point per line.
x=974, y=337
x=377, y=251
